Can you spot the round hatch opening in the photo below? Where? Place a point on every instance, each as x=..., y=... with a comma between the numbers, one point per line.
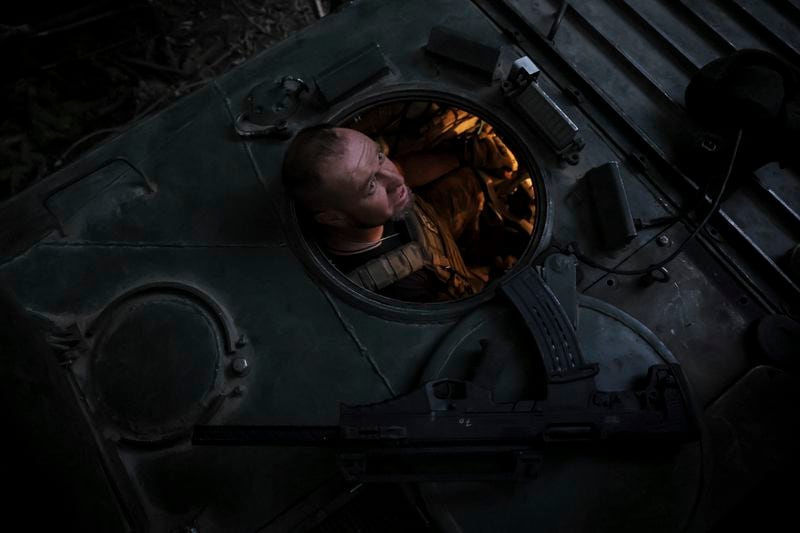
x=156, y=364
x=474, y=189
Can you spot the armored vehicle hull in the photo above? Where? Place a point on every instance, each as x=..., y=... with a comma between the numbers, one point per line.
x=176, y=286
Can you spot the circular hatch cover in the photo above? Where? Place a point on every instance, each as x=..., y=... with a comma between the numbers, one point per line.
x=156, y=364
x=579, y=488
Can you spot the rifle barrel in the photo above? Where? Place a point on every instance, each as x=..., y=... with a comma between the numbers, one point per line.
x=266, y=435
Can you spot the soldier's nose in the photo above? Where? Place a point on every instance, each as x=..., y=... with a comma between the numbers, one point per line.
x=395, y=180
x=391, y=182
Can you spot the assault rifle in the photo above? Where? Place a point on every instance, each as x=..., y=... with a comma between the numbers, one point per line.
x=454, y=430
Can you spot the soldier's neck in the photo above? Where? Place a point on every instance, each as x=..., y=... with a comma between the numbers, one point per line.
x=352, y=240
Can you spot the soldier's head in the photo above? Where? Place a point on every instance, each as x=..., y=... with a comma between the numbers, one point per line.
x=343, y=178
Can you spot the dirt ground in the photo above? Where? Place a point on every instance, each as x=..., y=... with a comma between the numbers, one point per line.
x=82, y=75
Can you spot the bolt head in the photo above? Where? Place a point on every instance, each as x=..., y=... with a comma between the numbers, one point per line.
x=663, y=240
x=240, y=366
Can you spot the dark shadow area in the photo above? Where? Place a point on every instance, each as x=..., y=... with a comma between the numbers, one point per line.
x=81, y=72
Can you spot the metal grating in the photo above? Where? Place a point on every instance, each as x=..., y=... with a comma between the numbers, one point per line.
x=638, y=56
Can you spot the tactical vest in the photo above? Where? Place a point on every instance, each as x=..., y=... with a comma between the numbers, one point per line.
x=432, y=247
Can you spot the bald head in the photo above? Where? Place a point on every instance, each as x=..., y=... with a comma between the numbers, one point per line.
x=344, y=177
x=304, y=162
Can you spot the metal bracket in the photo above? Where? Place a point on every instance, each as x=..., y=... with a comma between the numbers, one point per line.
x=269, y=108
x=463, y=50
x=612, y=208
x=525, y=94
x=523, y=72
x=352, y=73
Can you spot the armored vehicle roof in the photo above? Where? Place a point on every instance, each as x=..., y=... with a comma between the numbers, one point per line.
x=176, y=286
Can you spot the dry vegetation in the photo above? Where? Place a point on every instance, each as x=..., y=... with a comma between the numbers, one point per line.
x=86, y=74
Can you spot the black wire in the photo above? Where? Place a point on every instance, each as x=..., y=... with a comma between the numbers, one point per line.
x=657, y=266
x=702, y=192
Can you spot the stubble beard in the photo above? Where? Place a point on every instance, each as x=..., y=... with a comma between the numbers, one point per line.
x=399, y=214
x=404, y=209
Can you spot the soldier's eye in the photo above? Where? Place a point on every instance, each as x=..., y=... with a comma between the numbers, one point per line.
x=372, y=186
x=381, y=157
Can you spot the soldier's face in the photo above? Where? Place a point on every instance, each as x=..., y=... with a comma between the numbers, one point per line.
x=365, y=186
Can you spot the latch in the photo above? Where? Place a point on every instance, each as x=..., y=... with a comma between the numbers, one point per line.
x=523, y=91
x=270, y=105
x=268, y=108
